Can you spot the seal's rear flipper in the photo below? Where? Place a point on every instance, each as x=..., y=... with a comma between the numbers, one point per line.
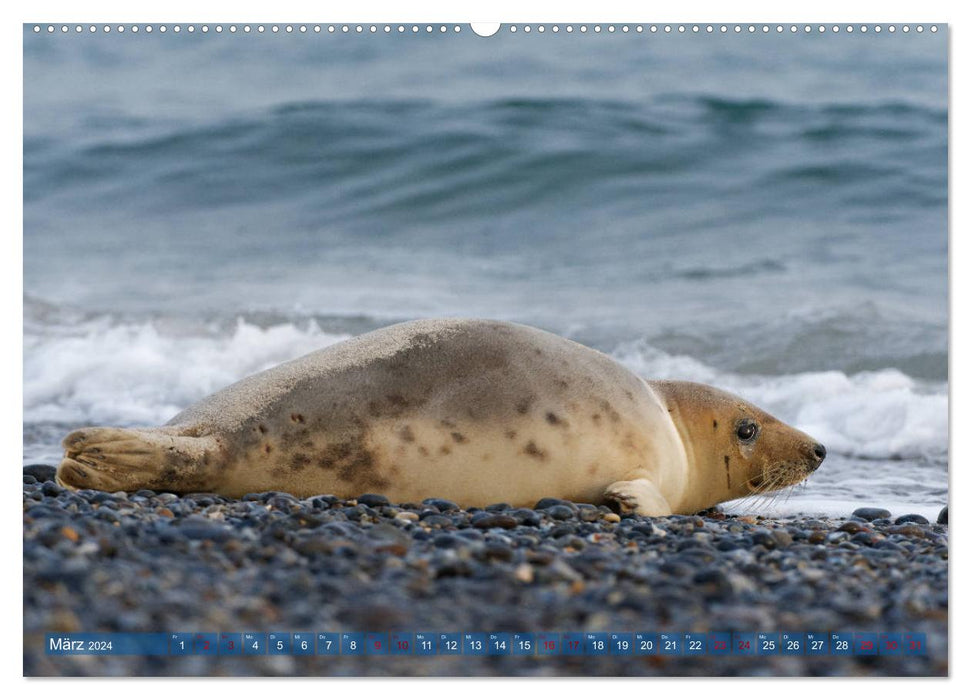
x=129, y=459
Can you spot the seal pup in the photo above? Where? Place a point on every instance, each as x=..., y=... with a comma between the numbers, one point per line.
x=474, y=411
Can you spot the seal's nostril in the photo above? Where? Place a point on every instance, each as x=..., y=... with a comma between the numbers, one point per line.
x=820, y=452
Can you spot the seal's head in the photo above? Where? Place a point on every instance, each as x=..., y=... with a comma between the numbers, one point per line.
x=734, y=449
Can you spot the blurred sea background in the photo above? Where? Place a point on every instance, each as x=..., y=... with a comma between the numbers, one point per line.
x=766, y=213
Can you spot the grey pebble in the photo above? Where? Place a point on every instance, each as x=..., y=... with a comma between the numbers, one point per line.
x=372, y=500
x=912, y=518
x=545, y=503
x=499, y=520
x=871, y=513
x=41, y=472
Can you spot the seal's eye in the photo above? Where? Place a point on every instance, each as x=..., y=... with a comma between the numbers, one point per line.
x=746, y=431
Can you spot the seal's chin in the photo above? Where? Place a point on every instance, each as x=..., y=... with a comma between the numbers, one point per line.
x=780, y=476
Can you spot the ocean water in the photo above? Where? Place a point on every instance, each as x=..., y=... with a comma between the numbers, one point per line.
x=767, y=214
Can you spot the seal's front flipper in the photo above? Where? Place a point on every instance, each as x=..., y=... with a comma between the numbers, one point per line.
x=128, y=459
x=638, y=496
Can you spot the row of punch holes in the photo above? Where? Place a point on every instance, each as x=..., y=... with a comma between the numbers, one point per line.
x=487, y=30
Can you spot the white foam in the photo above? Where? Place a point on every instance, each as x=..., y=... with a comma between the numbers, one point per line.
x=128, y=373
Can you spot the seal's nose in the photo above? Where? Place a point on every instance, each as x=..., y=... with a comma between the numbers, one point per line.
x=820, y=452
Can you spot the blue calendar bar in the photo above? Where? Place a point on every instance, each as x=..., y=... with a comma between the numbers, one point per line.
x=403, y=643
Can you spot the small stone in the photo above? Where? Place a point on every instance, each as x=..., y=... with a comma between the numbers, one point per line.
x=530, y=517
x=373, y=500
x=908, y=529
x=406, y=516
x=524, y=573
x=559, y=512
x=41, y=472
x=765, y=538
x=871, y=513
x=911, y=518
x=506, y=522
x=545, y=503
x=851, y=527
x=440, y=503
x=498, y=551
x=611, y=518
x=51, y=489
x=70, y=533
x=165, y=513
x=497, y=507
x=205, y=532
x=942, y=518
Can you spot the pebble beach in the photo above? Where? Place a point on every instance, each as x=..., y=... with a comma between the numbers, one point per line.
x=151, y=562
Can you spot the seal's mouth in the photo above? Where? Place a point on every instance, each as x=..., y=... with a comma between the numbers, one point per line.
x=781, y=476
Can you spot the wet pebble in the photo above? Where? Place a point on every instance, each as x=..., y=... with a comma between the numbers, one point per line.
x=871, y=513
x=911, y=518
x=373, y=500
x=491, y=521
x=41, y=472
